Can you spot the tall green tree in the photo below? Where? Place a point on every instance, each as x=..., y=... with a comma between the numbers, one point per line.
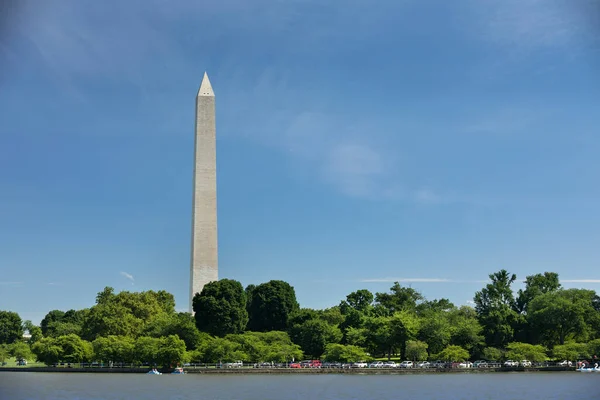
x=495, y=306
x=11, y=327
x=220, y=308
x=360, y=300
x=271, y=305
x=399, y=299
x=466, y=330
x=52, y=316
x=536, y=285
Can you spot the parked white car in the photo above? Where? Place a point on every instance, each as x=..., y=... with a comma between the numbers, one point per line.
x=424, y=364
x=390, y=364
x=465, y=364
x=406, y=364
x=376, y=364
x=237, y=364
x=361, y=364
x=565, y=363
x=511, y=363
x=526, y=363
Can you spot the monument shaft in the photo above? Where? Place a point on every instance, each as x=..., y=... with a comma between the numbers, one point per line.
x=204, y=257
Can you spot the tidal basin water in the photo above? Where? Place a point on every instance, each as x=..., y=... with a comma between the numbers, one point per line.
x=494, y=386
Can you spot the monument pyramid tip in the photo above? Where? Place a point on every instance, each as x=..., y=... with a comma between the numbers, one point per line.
x=205, y=87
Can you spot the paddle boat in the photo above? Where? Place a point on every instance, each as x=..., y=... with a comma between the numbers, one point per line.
x=595, y=368
x=153, y=371
x=178, y=371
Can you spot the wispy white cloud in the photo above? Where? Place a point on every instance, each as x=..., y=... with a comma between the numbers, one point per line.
x=419, y=280
x=533, y=24
x=521, y=29
x=128, y=276
x=580, y=280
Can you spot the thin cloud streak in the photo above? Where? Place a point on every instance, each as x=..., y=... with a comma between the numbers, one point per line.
x=128, y=276
x=580, y=280
x=419, y=280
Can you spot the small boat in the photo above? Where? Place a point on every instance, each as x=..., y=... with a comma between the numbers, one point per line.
x=178, y=371
x=153, y=372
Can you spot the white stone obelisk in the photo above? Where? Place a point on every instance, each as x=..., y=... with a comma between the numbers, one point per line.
x=204, y=262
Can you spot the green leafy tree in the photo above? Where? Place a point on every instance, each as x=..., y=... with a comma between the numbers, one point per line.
x=562, y=315
x=594, y=348
x=171, y=351
x=33, y=330
x=495, y=306
x=271, y=305
x=404, y=327
x=266, y=346
x=223, y=350
x=106, y=319
x=416, y=350
x=386, y=335
x=126, y=313
x=399, y=299
x=492, y=354
x=379, y=336
x=314, y=334
x=454, y=353
x=181, y=324
x=466, y=330
x=571, y=351
x=536, y=285
x=11, y=327
x=360, y=301
x=344, y=353
x=436, y=331
x=147, y=350
x=332, y=315
x=114, y=349
x=357, y=336
x=434, y=306
x=52, y=316
x=47, y=350
x=20, y=350
x=74, y=349
x=4, y=352
x=220, y=308
x=526, y=351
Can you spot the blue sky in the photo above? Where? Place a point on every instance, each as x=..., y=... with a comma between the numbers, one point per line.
x=359, y=143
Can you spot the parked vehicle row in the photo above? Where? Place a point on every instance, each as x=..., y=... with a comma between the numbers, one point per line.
x=390, y=364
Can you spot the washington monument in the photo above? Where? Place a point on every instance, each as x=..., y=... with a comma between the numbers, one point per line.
x=204, y=258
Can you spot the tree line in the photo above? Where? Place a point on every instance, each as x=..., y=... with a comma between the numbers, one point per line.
x=265, y=323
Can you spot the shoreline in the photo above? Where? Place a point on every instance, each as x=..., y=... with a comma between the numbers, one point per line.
x=259, y=371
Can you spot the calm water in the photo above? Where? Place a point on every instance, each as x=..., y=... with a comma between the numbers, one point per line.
x=495, y=386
